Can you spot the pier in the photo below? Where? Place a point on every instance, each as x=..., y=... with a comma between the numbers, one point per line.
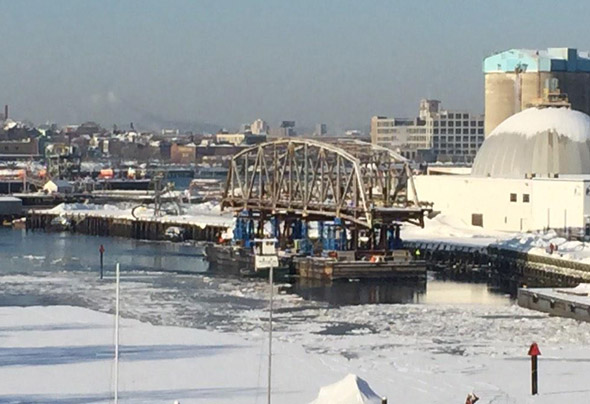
x=152, y=228
x=501, y=264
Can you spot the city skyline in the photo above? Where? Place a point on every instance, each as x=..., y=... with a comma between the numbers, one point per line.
x=232, y=62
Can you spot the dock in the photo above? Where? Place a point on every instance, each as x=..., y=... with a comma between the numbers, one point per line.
x=148, y=228
x=563, y=302
x=502, y=263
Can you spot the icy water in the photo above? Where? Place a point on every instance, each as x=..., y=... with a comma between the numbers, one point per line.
x=169, y=283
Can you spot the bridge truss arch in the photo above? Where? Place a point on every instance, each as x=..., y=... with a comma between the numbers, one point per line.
x=351, y=180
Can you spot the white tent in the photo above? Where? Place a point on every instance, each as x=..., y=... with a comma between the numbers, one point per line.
x=350, y=390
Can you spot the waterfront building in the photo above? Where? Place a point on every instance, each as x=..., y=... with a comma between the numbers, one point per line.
x=532, y=173
x=183, y=154
x=230, y=138
x=321, y=129
x=436, y=134
x=516, y=78
x=259, y=127
x=286, y=129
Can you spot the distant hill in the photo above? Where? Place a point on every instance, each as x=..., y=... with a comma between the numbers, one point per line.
x=153, y=122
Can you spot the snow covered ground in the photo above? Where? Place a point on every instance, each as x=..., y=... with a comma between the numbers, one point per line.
x=450, y=230
x=203, y=214
x=410, y=353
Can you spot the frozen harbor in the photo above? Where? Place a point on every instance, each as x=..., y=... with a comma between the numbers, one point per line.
x=410, y=353
x=183, y=334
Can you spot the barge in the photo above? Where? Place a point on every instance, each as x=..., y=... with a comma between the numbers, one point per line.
x=399, y=264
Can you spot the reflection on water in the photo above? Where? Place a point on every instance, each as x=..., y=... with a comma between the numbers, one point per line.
x=433, y=291
x=450, y=292
x=22, y=252
x=28, y=253
x=360, y=292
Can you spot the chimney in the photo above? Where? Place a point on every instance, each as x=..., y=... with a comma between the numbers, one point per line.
x=6, y=112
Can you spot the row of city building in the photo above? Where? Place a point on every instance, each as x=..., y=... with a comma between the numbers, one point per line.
x=515, y=79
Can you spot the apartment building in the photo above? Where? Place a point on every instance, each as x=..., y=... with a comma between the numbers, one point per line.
x=435, y=135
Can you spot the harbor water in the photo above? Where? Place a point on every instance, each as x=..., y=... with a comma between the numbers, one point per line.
x=170, y=283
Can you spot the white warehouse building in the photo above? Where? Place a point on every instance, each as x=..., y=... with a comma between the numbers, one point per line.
x=531, y=173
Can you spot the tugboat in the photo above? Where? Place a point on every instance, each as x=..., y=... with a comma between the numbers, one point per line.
x=239, y=260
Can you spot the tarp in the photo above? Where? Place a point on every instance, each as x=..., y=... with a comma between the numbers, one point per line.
x=350, y=390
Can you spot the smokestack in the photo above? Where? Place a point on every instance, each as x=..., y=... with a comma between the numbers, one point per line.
x=6, y=112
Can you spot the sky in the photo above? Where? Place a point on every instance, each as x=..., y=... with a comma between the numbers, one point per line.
x=228, y=62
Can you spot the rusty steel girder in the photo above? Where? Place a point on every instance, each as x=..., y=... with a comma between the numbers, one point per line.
x=351, y=180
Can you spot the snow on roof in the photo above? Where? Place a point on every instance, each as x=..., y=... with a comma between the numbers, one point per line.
x=9, y=199
x=350, y=390
x=61, y=183
x=530, y=122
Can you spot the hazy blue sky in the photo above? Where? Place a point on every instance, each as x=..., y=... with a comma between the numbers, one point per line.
x=228, y=62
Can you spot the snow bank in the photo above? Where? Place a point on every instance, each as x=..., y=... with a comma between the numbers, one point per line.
x=539, y=243
x=204, y=214
x=452, y=230
x=350, y=390
x=81, y=207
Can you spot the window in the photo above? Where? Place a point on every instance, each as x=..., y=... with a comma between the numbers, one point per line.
x=512, y=197
x=465, y=123
x=465, y=138
x=465, y=116
x=451, y=123
x=472, y=123
x=480, y=131
x=477, y=219
x=480, y=124
x=443, y=123
x=435, y=131
x=465, y=131
x=451, y=116
x=443, y=131
x=435, y=124
x=526, y=198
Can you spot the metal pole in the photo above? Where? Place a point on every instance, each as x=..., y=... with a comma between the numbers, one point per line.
x=117, y=335
x=270, y=283
x=101, y=263
x=534, y=384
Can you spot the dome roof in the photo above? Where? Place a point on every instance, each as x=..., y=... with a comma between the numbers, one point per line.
x=538, y=141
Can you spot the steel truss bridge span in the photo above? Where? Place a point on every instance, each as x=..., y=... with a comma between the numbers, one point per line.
x=354, y=181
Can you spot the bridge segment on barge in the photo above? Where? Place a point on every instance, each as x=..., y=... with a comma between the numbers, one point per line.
x=357, y=185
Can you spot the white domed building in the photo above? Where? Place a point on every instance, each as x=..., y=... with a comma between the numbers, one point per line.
x=532, y=172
